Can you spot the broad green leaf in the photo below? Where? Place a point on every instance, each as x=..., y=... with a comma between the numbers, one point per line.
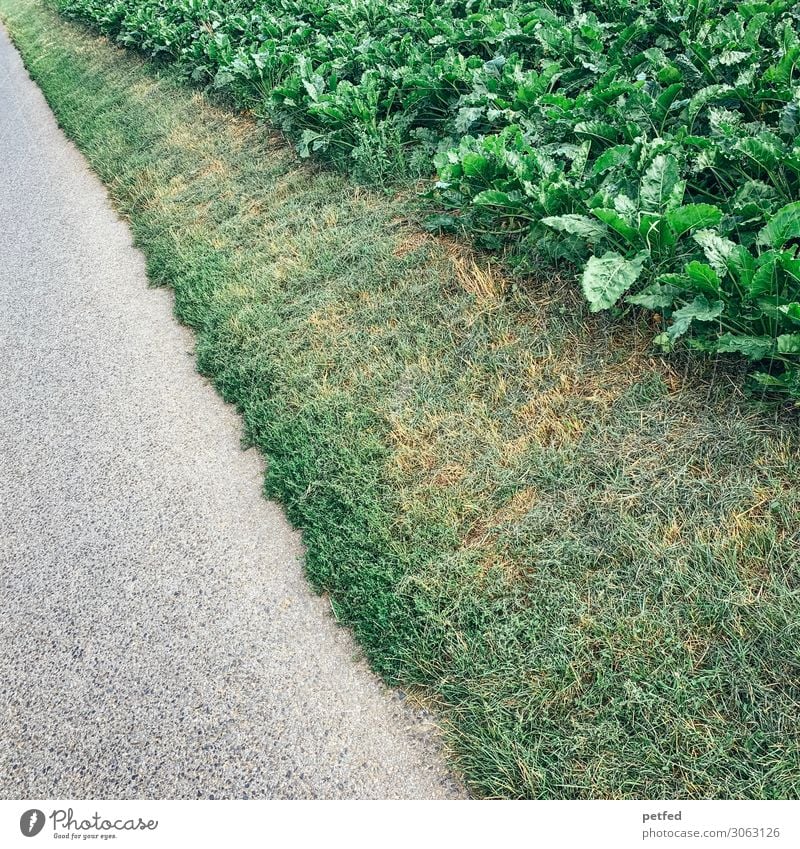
x=620, y=154
x=663, y=342
x=693, y=216
x=765, y=150
x=441, y=223
x=753, y=347
x=789, y=343
x=754, y=197
x=765, y=379
x=475, y=165
x=664, y=102
x=782, y=227
x=770, y=309
x=718, y=250
x=492, y=197
x=660, y=183
x=790, y=119
x=732, y=57
x=598, y=130
x=700, y=309
x=791, y=311
x=607, y=278
x=658, y=296
x=763, y=279
x=614, y=220
x=702, y=98
x=578, y=225
x=702, y=278
x=625, y=206
x=741, y=265
x=789, y=264
x=311, y=141
x=580, y=159
x=315, y=86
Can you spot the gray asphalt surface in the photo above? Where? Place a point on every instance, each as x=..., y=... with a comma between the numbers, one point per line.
x=157, y=636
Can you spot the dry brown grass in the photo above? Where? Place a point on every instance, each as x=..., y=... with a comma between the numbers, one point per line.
x=410, y=242
x=476, y=275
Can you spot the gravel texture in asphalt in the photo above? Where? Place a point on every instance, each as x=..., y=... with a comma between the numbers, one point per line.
x=157, y=635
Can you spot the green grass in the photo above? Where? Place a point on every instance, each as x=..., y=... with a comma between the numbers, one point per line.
x=588, y=561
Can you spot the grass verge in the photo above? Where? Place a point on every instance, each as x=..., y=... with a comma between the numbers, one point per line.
x=589, y=561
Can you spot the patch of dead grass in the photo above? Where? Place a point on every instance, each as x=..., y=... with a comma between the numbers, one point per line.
x=476, y=275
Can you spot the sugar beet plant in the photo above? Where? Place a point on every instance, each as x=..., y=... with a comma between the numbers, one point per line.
x=653, y=143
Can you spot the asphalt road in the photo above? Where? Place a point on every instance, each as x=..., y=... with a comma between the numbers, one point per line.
x=157, y=636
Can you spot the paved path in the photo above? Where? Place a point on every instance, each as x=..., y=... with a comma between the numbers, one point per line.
x=157, y=636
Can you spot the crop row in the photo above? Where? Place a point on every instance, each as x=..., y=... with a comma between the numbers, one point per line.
x=655, y=144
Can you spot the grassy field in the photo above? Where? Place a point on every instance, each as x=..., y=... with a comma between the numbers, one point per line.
x=587, y=558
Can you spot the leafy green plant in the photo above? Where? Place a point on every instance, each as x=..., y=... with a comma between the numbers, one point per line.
x=655, y=144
